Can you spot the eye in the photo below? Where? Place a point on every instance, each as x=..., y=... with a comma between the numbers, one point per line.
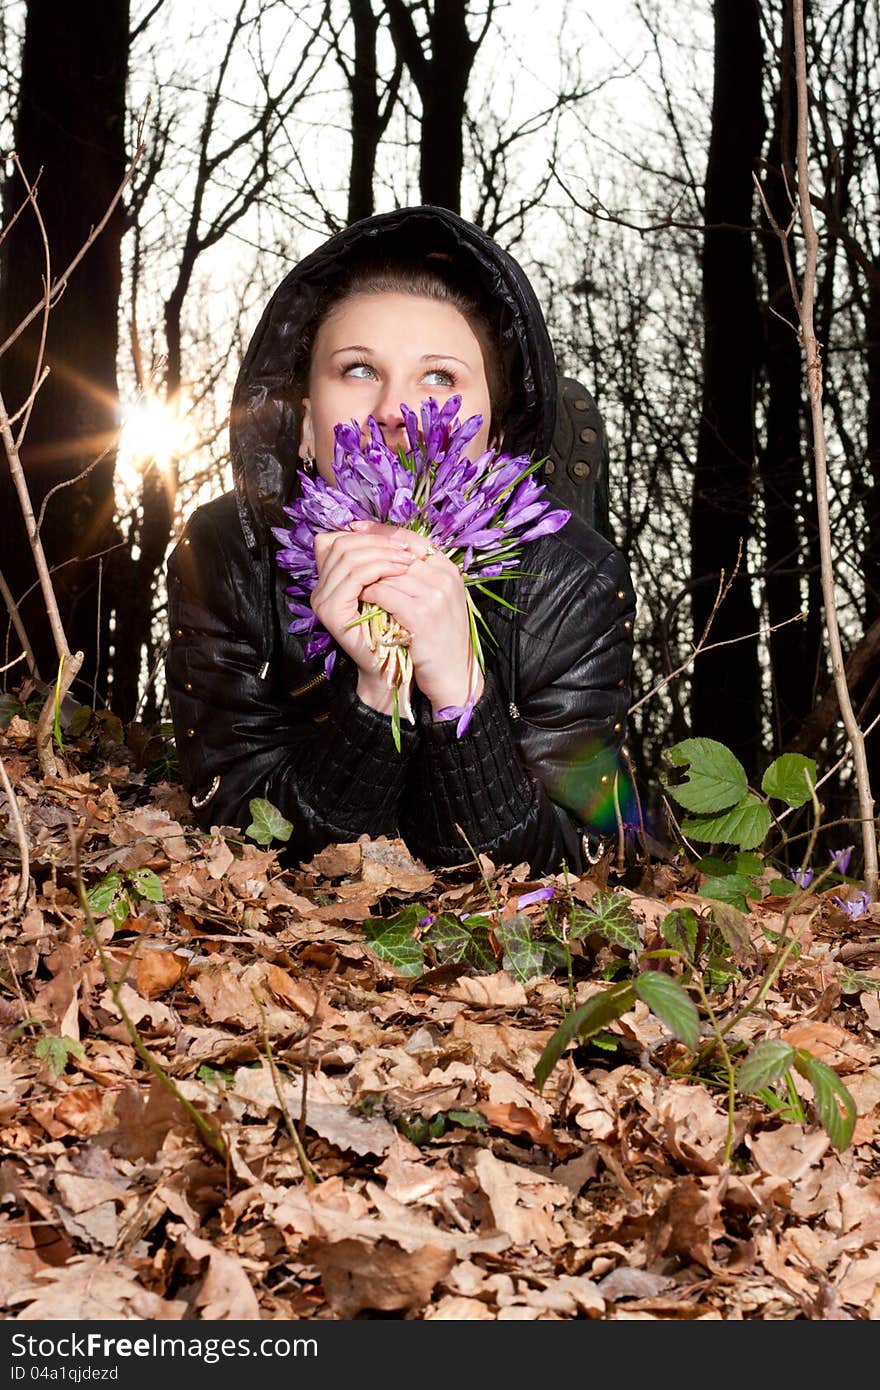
x=362, y=371
x=448, y=378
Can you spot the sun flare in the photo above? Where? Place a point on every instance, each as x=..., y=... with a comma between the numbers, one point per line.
x=153, y=434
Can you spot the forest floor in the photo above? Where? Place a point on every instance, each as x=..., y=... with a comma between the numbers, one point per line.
x=441, y=1182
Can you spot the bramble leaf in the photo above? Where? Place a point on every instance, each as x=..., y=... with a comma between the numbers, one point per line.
x=785, y=778
x=745, y=824
x=732, y=888
x=716, y=779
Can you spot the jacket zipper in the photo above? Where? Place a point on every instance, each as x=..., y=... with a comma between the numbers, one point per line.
x=309, y=685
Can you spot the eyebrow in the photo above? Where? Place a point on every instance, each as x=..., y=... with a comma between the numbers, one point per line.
x=427, y=357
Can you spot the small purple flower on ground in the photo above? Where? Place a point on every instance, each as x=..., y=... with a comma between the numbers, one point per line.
x=802, y=877
x=426, y=921
x=840, y=858
x=854, y=907
x=539, y=895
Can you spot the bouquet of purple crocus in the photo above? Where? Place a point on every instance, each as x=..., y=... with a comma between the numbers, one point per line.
x=477, y=512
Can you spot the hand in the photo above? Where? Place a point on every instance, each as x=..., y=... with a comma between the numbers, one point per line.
x=348, y=562
x=429, y=599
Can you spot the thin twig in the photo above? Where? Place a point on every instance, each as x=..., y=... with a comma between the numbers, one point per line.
x=295, y=1139
x=20, y=630
x=56, y=289
x=20, y=835
x=813, y=362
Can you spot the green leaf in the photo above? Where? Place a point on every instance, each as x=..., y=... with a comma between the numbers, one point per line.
x=523, y=958
x=745, y=824
x=120, y=911
x=615, y=920
x=714, y=866
x=582, y=922
x=455, y=940
x=592, y=1017
x=393, y=939
x=785, y=778
x=79, y=721
x=834, y=1105
x=716, y=779
x=751, y=864
x=782, y=887
x=100, y=898
x=764, y=1064
x=680, y=928
x=730, y=934
x=147, y=885
x=9, y=707
x=56, y=1052
x=730, y=889
x=471, y=1119
x=268, y=824
x=665, y=997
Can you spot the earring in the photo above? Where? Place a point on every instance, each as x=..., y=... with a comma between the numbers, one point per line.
x=309, y=464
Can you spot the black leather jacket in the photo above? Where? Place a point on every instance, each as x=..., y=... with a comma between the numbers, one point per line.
x=534, y=772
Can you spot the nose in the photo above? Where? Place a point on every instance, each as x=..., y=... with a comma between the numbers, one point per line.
x=387, y=411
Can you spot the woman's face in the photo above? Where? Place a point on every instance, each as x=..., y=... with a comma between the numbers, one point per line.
x=376, y=350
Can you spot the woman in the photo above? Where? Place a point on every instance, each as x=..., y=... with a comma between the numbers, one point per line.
x=396, y=308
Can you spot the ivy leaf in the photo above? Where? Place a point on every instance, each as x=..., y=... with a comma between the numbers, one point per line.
x=456, y=940
x=615, y=921
x=716, y=779
x=523, y=957
x=268, y=824
x=834, y=1104
x=666, y=998
x=785, y=778
x=592, y=1017
x=147, y=885
x=680, y=927
x=745, y=824
x=394, y=941
x=9, y=706
x=765, y=1063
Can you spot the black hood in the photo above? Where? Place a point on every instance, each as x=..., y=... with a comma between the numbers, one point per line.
x=265, y=424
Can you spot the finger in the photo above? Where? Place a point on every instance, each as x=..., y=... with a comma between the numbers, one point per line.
x=362, y=549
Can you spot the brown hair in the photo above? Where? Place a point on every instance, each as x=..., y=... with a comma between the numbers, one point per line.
x=441, y=281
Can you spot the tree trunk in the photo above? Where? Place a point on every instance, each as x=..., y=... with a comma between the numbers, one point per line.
x=725, y=699
x=441, y=81
x=70, y=125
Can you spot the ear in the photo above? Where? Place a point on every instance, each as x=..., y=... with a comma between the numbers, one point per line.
x=307, y=433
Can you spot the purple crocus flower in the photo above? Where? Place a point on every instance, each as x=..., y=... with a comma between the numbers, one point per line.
x=538, y=895
x=478, y=512
x=460, y=712
x=840, y=859
x=854, y=907
x=802, y=877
